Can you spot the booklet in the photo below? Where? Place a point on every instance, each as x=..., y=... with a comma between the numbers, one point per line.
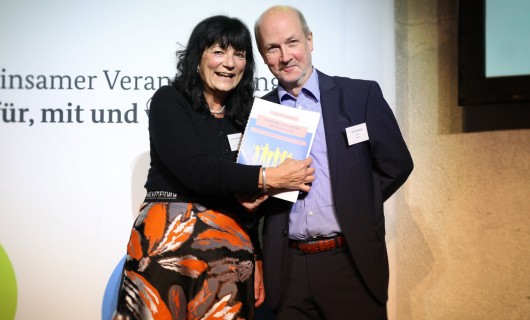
x=274, y=133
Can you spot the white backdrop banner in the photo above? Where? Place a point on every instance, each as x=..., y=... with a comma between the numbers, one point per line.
x=75, y=81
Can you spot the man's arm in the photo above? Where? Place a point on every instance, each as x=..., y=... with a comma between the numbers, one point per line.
x=390, y=154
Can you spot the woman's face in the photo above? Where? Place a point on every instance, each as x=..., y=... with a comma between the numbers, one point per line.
x=221, y=70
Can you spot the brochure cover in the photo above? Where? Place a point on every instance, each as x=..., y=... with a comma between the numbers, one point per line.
x=275, y=133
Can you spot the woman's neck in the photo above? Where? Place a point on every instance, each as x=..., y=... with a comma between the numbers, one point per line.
x=214, y=103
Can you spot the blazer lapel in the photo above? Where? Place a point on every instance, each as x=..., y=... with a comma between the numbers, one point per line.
x=329, y=101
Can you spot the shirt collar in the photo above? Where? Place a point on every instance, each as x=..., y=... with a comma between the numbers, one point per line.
x=310, y=88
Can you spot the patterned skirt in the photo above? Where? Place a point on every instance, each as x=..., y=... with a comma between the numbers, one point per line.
x=186, y=263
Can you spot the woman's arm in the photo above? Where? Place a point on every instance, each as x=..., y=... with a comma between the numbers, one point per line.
x=175, y=132
x=180, y=148
x=259, y=288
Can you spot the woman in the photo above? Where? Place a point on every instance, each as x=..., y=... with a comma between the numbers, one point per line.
x=190, y=255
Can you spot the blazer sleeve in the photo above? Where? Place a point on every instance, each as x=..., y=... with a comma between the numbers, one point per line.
x=390, y=155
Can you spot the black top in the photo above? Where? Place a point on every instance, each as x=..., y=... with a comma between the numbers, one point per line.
x=191, y=154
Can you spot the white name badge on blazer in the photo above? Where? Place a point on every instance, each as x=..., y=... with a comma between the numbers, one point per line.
x=356, y=134
x=234, y=139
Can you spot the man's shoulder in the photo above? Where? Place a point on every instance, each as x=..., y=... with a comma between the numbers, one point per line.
x=342, y=81
x=271, y=95
x=349, y=88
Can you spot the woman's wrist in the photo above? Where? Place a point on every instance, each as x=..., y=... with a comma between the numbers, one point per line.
x=268, y=180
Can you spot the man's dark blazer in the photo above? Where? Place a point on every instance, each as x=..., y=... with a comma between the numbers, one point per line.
x=363, y=176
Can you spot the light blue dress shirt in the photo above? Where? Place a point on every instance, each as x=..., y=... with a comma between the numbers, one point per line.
x=313, y=216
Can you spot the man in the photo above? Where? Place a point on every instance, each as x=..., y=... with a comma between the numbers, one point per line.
x=325, y=256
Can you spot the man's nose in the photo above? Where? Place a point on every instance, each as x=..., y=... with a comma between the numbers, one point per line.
x=285, y=55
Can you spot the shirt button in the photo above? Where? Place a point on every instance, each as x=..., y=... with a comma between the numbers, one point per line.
x=225, y=151
x=311, y=213
x=220, y=133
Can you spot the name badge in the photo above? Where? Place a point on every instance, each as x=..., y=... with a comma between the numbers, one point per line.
x=356, y=134
x=234, y=140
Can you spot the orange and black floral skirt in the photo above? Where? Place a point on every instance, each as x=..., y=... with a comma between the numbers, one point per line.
x=186, y=263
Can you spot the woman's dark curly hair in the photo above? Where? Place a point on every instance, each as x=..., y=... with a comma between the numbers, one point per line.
x=226, y=32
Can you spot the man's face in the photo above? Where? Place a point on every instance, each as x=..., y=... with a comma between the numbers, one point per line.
x=285, y=49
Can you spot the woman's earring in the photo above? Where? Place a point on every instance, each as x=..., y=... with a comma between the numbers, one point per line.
x=198, y=70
